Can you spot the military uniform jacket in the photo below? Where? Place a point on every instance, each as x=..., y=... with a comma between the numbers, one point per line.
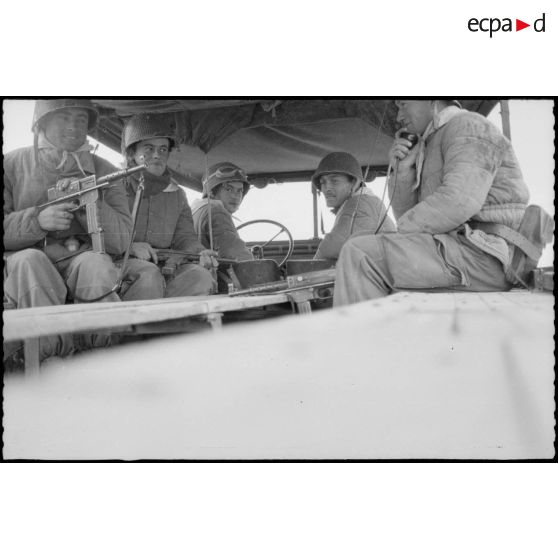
x=165, y=220
x=362, y=212
x=226, y=240
x=25, y=187
x=470, y=173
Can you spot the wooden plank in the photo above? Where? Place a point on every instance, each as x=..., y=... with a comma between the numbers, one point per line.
x=49, y=320
x=92, y=306
x=526, y=313
x=221, y=300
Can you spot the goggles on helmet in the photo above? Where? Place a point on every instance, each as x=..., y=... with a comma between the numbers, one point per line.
x=229, y=173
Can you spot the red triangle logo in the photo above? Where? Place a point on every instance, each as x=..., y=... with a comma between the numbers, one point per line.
x=519, y=25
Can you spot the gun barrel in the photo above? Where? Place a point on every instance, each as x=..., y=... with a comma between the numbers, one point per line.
x=102, y=182
x=264, y=288
x=118, y=175
x=166, y=252
x=292, y=283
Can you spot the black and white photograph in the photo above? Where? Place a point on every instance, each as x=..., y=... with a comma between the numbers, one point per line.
x=278, y=279
x=285, y=279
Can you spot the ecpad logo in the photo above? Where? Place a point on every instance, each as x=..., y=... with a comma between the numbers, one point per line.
x=495, y=24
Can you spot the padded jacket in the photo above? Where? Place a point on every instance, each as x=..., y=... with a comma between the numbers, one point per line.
x=470, y=173
x=362, y=212
x=226, y=239
x=165, y=220
x=25, y=188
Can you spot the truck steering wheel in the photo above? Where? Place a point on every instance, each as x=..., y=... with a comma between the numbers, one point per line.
x=260, y=247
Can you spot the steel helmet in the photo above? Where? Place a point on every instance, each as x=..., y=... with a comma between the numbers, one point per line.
x=47, y=106
x=338, y=163
x=144, y=126
x=224, y=172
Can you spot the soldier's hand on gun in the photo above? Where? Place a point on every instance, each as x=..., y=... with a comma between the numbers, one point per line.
x=208, y=259
x=403, y=153
x=56, y=217
x=143, y=251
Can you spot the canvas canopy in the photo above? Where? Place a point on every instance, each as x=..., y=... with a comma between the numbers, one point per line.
x=273, y=140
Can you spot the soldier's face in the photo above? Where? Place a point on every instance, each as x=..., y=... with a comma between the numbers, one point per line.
x=231, y=195
x=155, y=153
x=336, y=188
x=67, y=128
x=414, y=115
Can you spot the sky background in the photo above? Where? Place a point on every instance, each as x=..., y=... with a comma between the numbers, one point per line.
x=532, y=131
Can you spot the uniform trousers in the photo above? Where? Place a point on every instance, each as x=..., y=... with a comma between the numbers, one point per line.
x=373, y=266
x=148, y=282
x=31, y=279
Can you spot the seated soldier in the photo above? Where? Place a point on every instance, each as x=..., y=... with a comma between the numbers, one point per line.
x=39, y=270
x=452, y=194
x=339, y=178
x=164, y=218
x=224, y=187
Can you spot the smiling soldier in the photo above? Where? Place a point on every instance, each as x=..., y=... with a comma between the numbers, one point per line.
x=356, y=208
x=40, y=270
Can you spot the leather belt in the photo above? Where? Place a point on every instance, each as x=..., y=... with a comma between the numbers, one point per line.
x=510, y=235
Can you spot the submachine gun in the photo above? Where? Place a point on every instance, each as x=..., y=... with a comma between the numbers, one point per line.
x=170, y=260
x=300, y=288
x=85, y=191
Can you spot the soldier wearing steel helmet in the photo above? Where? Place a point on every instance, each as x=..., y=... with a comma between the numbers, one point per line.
x=224, y=187
x=339, y=179
x=34, y=239
x=164, y=217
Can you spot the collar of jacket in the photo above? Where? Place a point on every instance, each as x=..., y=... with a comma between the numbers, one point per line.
x=202, y=202
x=438, y=120
x=362, y=189
x=172, y=187
x=154, y=185
x=65, y=162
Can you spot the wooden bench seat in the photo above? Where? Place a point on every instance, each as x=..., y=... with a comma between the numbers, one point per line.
x=29, y=324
